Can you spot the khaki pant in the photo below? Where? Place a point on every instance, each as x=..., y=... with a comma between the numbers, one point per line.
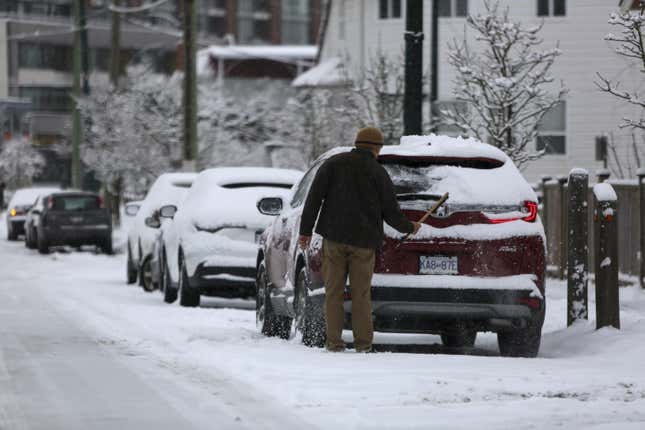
x=340, y=260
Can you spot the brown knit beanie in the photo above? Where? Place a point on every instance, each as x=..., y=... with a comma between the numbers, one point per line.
x=370, y=136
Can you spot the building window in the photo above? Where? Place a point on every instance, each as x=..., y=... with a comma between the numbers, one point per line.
x=295, y=22
x=253, y=21
x=48, y=98
x=551, y=7
x=552, y=136
x=389, y=9
x=453, y=8
x=42, y=56
x=212, y=17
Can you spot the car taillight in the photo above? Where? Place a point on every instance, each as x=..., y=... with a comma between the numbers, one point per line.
x=529, y=208
x=50, y=202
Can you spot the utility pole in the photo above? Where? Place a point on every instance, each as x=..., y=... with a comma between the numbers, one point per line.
x=115, y=47
x=434, y=64
x=76, y=94
x=190, y=86
x=413, y=96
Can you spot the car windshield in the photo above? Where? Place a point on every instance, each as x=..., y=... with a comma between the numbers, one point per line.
x=75, y=203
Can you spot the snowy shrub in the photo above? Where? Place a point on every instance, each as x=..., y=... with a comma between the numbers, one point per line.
x=504, y=82
x=20, y=162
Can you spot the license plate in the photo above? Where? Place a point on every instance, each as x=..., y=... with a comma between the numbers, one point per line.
x=438, y=265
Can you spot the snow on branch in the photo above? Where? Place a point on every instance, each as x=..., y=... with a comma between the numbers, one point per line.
x=20, y=162
x=631, y=45
x=504, y=82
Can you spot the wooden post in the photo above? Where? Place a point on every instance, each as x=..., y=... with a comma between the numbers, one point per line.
x=577, y=257
x=606, y=255
x=641, y=253
x=562, y=263
x=545, y=207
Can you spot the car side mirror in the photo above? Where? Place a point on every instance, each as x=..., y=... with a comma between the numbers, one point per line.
x=153, y=222
x=270, y=206
x=131, y=209
x=168, y=211
x=35, y=211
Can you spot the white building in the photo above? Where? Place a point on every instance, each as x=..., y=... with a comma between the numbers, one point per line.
x=358, y=28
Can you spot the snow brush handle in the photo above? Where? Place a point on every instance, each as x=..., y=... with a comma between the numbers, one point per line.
x=432, y=210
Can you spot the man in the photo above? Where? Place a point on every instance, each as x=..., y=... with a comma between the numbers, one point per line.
x=354, y=195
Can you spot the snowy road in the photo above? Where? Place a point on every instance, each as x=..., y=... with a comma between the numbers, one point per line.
x=79, y=349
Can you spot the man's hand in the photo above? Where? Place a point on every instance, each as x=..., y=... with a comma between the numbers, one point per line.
x=304, y=241
x=417, y=226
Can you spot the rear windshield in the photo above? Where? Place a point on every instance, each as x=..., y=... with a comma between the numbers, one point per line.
x=412, y=176
x=256, y=185
x=76, y=203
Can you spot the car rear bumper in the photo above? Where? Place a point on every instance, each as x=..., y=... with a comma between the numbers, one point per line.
x=224, y=281
x=78, y=235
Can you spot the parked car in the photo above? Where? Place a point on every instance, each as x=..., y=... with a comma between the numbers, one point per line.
x=72, y=218
x=211, y=247
x=20, y=203
x=168, y=189
x=477, y=265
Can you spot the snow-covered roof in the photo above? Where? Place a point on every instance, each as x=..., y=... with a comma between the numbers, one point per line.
x=328, y=73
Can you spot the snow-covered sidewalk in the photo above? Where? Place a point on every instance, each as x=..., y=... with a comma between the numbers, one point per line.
x=583, y=378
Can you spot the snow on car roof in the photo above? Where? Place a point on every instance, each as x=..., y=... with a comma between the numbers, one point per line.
x=28, y=196
x=168, y=189
x=445, y=146
x=210, y=204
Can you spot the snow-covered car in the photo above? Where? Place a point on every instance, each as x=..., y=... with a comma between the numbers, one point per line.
x=211, y=246
x=168, y=189
x=20, y=203
x=477, y=265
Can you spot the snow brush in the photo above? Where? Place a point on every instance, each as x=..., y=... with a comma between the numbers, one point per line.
x=425, y=216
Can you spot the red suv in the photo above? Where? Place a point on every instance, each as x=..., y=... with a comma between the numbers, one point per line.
x=477, y=265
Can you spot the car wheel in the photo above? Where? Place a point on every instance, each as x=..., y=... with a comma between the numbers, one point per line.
x=266, y=320
x=106, y=246
x=43, y=244
x=169, y=292
x=310, y=320
x=146, y=275
x=131, y=270
x=520, y=342
x=465, y=338
x=188, y=297
x=27, y=238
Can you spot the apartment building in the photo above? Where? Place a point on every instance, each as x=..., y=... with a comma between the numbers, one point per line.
x=358, y=28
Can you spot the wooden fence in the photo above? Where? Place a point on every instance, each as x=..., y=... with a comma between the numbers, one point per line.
x=554, y=216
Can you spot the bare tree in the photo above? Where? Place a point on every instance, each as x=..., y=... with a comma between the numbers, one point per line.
x=376, y=96
x=505, y=85
x=631, y=45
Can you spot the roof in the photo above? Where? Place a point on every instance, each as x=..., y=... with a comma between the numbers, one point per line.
x=328, y=73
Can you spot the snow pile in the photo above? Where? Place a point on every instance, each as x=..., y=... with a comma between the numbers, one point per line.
x=604, y=192
x=329, y=73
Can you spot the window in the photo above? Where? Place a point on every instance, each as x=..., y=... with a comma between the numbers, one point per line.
x=552, y=135
x=42, y=56
x=551, y=7
x=303, y=187
x=47, y=98
x=211, y=18
x=295, y=22
x=453, y=8
x=253, y=21
x=389, y=9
